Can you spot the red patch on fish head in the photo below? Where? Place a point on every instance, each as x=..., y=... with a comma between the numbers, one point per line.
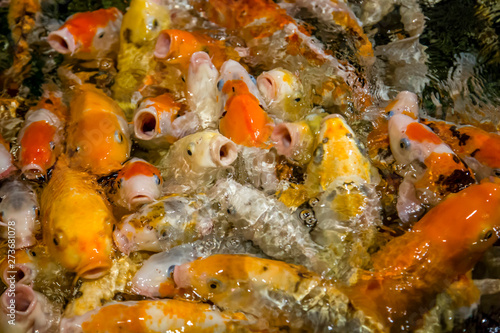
x=421, y=133
x=37, y=145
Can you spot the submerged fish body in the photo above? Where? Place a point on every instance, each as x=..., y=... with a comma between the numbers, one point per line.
x=469, y=142
x=141, y=25
x=338, y=156
x=163, y=224
x=77, y=222
x=267, y=223
x=412, y=269
x=166, y=315
x=98, y=137
x=88, y=35
x=19, y=211
x=279, y=293
x=138, y=182
x=6, y=160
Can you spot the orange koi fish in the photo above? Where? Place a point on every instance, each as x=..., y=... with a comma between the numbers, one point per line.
x=138, y=182
x=243, y=120
x=439, y=171
x=98, y=135
x=77, y=222
x=41, y=138
x=88, y=35
x=469, y=141
x=378, y=139
x=166, y=315
x=443, y=246
x=6, y=160
x=281, y=294
x=162, y=117
x=177, y=47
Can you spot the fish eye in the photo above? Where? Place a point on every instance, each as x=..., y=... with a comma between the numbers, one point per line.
x=390, y=114
x=220, y=84
x=190, y=149
x=118, y=137
x=404, y=143
x=52, y=145
x=157, y=179
x=170, y=271
x=252, y=78
x=155, y=23
x=214, y=284
x=59, y=239
x=488, y=235
x=101, y=34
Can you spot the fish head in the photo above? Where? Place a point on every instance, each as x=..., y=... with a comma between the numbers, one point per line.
x=281, y=88
x=19, y=205
x=39, y=147
x=233, y=71
x=410, y=140
x=101, y=142
x=155, y=117
x=88, y=34
x=245, y=122
x=83, y=248
x=405, y=103
x=464, y=225
x=143, y=22
x=138, y=182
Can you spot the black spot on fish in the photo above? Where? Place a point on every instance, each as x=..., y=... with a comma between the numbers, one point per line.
x=462, y=137
x=457, y=181
x=49, y=101
x=474, y=152
x=265, y=268
x=127, y=35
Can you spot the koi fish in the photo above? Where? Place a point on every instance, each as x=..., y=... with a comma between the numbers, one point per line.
x=412, y=269
x=137, y=183
x=166, y=315
x=343, y=16
x=88, y=35
x=338, y=156
x=282, y=294
x=41, y=137
x=469, y=142
x=443, y=172
x=163, y=224
x=6, y=160
x=283, y=93
x=155, y=277
x=177, y=46
x=161, y=117
x=33, y=311
x=77, y=222
x=142, y=23
x=19, y=212
x=196, y=159
x=98, y=136
x=203, y=98
x=243, y=119
x=378, y=139
x=262, y=219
